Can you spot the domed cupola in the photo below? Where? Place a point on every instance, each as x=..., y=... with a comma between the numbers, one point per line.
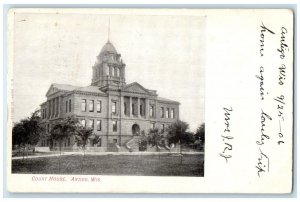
x=109, y=68
x=108, y=47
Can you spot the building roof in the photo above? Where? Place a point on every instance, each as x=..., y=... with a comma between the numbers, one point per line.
x=64, y=86
x=135, y=87
x=89, y=89
x=108, y=47
x=166, y=100
x=132, y=87
x=55, y=87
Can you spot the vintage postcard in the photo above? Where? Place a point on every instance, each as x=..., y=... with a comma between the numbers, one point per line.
x=150, y=100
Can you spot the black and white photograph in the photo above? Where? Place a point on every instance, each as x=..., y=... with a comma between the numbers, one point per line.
x=140, y=100
x=108, y=94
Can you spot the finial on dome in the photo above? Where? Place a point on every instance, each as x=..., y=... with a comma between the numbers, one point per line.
x=108, y=29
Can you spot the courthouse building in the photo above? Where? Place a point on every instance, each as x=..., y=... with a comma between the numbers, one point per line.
x=118, y=112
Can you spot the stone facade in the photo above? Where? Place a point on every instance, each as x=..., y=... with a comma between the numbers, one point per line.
x=116, y=111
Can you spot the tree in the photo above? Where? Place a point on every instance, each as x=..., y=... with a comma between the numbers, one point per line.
x=177, y=132
x=189, y=138
x=63, y=129
x=82, y=135
x=34, y=128
x=19, y=136
x=143, y=142
x=27, y=131
x=154, y=137
x=200, y=133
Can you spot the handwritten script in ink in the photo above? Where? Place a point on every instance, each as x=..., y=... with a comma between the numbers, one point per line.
x=226, y=137
x=264, y=138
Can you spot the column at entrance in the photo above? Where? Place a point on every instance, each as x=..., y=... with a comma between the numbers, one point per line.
x=122, y=106
x=138, y=107
x=59, y=106
x=130, y=106
x=49, y=109
x=147, y=108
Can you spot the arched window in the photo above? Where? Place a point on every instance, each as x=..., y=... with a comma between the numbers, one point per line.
x=106, y=69
x=117, y=72
x=112, y=71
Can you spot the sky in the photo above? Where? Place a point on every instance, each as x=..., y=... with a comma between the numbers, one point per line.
x=163, y=53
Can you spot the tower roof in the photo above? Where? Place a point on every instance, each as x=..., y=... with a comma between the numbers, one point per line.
x=108, y=47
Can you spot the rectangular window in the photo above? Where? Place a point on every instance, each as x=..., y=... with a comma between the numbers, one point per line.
x=141, y=110
x=99, y=106
x=132, y=109
x=83, y=105
x=162, y=112
x=115, y=128
x=83, y=123
x=151, y=110
x=53, y=108
x=91, y=105
x=167, y=113
x=114, y=107
x=66, y=106
x=56, y=110
x=172, y=113
x=98, y=125
x=115, y=141
x=125, y=108
x=69, y=105
x=163, y=127
x=152, y=125
x=99, y=144
x=91, y=123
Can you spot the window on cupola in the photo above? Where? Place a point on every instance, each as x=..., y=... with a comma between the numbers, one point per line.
x=117, y=72
x=112, y=71
x=106, y=69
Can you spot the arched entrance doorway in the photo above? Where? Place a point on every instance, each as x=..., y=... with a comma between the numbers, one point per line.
x=135, y=129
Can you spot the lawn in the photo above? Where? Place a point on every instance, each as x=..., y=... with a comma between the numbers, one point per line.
x=141, y=165
x=31, y=153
